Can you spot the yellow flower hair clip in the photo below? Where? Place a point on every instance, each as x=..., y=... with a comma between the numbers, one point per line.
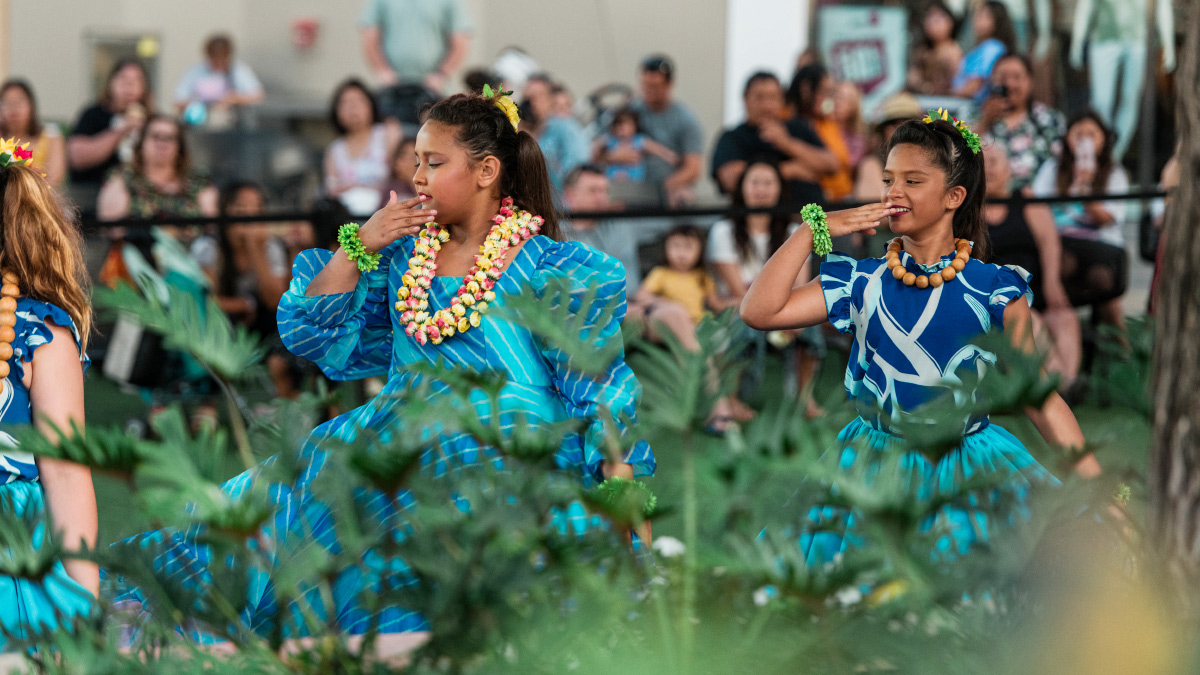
x=14, y=153
x=969, y=136
x=502, y=101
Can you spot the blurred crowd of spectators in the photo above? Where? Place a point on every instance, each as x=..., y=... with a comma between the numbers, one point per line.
x=805, y=137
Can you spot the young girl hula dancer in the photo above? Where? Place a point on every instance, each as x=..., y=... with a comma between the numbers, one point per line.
x=914, y=314
x=45, y=318
x=386, y=300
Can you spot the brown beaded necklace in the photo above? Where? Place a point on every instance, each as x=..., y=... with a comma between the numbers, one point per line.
x=963, y=254
x=9, y=292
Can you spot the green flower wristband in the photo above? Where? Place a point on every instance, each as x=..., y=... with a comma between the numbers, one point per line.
x=357, y=253
x=814, y=216
x=620, y=495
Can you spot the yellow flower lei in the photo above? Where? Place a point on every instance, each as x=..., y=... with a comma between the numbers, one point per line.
x=510, y=227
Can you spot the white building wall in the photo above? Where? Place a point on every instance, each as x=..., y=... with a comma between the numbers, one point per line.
x=585, y=43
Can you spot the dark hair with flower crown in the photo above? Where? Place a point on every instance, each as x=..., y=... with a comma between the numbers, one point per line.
x=947, y=149
x=484, y=129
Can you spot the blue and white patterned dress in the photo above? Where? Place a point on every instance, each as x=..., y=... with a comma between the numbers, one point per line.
x=25, y=603
x=910, y=346
x=357, y=334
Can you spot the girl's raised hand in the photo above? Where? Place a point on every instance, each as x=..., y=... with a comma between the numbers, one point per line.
x=396, y=219
x=860, y=219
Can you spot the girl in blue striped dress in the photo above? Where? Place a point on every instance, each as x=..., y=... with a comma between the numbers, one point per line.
x=408, y=288
x=913, y=316
x=45, y=317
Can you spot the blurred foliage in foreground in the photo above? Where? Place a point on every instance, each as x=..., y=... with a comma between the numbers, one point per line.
x=504, y=591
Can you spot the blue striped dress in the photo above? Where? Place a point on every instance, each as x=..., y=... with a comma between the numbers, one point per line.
x=47, y=603
x=909, y=347
x=357, y=334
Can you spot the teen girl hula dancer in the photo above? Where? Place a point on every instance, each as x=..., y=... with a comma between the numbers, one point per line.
x=385, y=300
x=913, y=314
x=45, y=318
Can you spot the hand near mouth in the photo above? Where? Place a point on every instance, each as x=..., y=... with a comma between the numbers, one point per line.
x=395, y=220
x=861, y=219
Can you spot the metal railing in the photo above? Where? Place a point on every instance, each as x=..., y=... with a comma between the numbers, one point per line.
x=92, y=224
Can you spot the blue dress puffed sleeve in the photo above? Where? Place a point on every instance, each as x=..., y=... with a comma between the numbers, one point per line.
x=349, y=335
x=586, y=396
x=837, y=285
x=32, y=332
x=1010, y=282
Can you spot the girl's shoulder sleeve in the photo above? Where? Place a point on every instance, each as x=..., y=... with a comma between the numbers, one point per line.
x=1008, y=283
x=838, y=273
x=591, y=396
x=583, y=265
x=33, y=332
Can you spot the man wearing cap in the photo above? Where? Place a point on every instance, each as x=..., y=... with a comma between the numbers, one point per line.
x=672, y=124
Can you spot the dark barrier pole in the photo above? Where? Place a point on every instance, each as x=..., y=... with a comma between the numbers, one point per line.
x=92, y=224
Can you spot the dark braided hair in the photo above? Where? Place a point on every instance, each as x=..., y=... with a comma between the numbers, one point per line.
x=947, y=149
x=483, y=130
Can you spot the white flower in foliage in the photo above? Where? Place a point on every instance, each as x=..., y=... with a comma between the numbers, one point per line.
x=764, y=595
x=668, y=547
x=849, y=596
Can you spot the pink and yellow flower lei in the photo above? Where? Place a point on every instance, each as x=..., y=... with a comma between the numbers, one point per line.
x=510, y=227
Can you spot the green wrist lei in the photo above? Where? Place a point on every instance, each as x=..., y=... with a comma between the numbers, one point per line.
x=814, y=216
x=357, y=253
x=619, y=494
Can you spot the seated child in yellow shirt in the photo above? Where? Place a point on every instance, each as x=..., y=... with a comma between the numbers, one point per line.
x=683, y=279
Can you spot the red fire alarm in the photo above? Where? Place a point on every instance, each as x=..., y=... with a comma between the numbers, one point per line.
x=304, y=32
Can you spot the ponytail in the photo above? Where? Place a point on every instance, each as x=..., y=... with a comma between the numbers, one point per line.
x=530, y=186
x=484, y=129
x=969, y=223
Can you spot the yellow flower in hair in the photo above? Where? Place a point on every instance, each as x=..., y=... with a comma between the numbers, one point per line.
x=504, y=103
x=941, y=114
x=972, y=138
x=13, y=152
x=510, y=110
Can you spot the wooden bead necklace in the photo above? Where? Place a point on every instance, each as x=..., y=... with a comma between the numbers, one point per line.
x=962, y=255
x=9, y=292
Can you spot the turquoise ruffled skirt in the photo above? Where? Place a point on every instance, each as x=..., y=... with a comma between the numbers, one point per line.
x=43, y=605
x=990, y=453
x=306, y=522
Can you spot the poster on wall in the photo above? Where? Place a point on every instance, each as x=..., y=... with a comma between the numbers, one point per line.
x=867, y=46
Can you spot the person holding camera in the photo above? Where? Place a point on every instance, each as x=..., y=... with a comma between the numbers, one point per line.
x=1095, y=265
x=1029, y=131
